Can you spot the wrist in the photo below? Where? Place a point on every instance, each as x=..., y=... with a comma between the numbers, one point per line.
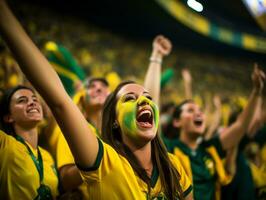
x=157, y=60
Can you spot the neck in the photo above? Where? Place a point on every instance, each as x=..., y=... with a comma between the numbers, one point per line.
x=95, y=118
x=29, y=135
x=143, y=155
x=191, y=142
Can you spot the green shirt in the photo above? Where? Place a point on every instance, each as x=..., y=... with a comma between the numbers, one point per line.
x=202, y=166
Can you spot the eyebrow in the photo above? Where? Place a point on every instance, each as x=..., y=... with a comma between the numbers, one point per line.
x=22, y=97
x=145, y=92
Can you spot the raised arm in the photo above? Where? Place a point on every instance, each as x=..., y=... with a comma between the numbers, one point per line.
x=257, y=121
x=216, y=118
x=235, y=132
x=82, y=142
x=187, y=78
x=161, y=47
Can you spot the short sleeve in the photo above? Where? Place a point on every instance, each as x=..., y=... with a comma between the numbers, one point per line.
x=5, y=139
x=184, y=179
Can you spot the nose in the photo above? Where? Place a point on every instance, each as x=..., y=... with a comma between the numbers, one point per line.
x=143, y=101
x=99, y=89
x=31, y=102
x=199, y=113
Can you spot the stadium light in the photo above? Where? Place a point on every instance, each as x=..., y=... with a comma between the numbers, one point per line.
x=195, y=5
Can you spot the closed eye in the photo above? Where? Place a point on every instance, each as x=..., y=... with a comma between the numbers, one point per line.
x=148, y=97
x=129, y=98
x=35, y=99
x=21, y=100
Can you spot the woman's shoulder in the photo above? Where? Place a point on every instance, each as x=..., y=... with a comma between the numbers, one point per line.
x=6, y=140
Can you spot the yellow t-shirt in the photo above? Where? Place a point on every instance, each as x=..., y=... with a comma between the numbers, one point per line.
x=19, y=177
x=259, y=175
x=65, y=157
x=112, y=177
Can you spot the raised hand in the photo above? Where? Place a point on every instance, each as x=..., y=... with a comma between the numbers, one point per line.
x=258, y=78
x=162, y=46
x=186, y=75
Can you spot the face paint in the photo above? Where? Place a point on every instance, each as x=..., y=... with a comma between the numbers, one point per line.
x=127, y=114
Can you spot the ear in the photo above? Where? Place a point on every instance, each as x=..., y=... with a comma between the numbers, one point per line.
x=176, y=123
x=8, y=119
x=115, y=125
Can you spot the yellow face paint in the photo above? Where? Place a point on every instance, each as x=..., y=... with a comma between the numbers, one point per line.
x=127, y=114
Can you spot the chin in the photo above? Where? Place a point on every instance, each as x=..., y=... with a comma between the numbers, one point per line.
x=148, y=136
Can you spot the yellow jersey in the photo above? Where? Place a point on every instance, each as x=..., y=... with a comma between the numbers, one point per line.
x=112, y=177
x=65, y=157
x=19, y=177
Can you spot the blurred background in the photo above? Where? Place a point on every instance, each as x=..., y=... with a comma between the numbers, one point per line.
x=217, y=41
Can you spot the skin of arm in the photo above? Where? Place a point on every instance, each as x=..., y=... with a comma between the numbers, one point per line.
x=161, y=47
x=216, y=118
x=82, y=142
x=187, y=83
x=256, y=122
x=235, y=132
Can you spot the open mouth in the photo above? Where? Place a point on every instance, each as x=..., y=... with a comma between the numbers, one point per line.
x=198, y=122
x=145, y=118
x=33, y=110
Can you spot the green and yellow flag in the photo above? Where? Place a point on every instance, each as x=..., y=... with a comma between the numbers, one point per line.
x=65, y=65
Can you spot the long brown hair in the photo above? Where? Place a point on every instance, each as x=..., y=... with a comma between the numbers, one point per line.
x=111, y=134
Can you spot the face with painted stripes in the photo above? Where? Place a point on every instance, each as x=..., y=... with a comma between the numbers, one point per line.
x=137, y=115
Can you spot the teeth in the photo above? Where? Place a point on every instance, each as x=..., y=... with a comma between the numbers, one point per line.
x=33, y=110
x=145, y=112
x=198, y=120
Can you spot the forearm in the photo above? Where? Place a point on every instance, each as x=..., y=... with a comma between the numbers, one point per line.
x=188, y=90
x=32, y=62
x=247, y=114
x=256, y=121
x=235, y=132
x=215, y=124
x=82, y=142
x=153, y=76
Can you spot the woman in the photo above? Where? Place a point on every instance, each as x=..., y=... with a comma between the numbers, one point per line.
x=202, y=160
x=97, y=91
x=111, y=173
x=26, y=170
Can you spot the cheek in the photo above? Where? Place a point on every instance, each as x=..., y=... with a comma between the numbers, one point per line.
x=127, y=117
x=41, y=112
x=156, y=115
x=187, y=120
x=16, y=110
x=187, y=117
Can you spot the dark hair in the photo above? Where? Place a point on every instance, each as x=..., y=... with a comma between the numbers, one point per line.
x=5, y=107
x=171, y=131
x=91, y=80
x=111, y=134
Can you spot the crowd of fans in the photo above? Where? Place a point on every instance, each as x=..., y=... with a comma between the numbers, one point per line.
x=218, y=155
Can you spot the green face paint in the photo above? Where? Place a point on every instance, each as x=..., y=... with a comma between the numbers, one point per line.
x=127, y=112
